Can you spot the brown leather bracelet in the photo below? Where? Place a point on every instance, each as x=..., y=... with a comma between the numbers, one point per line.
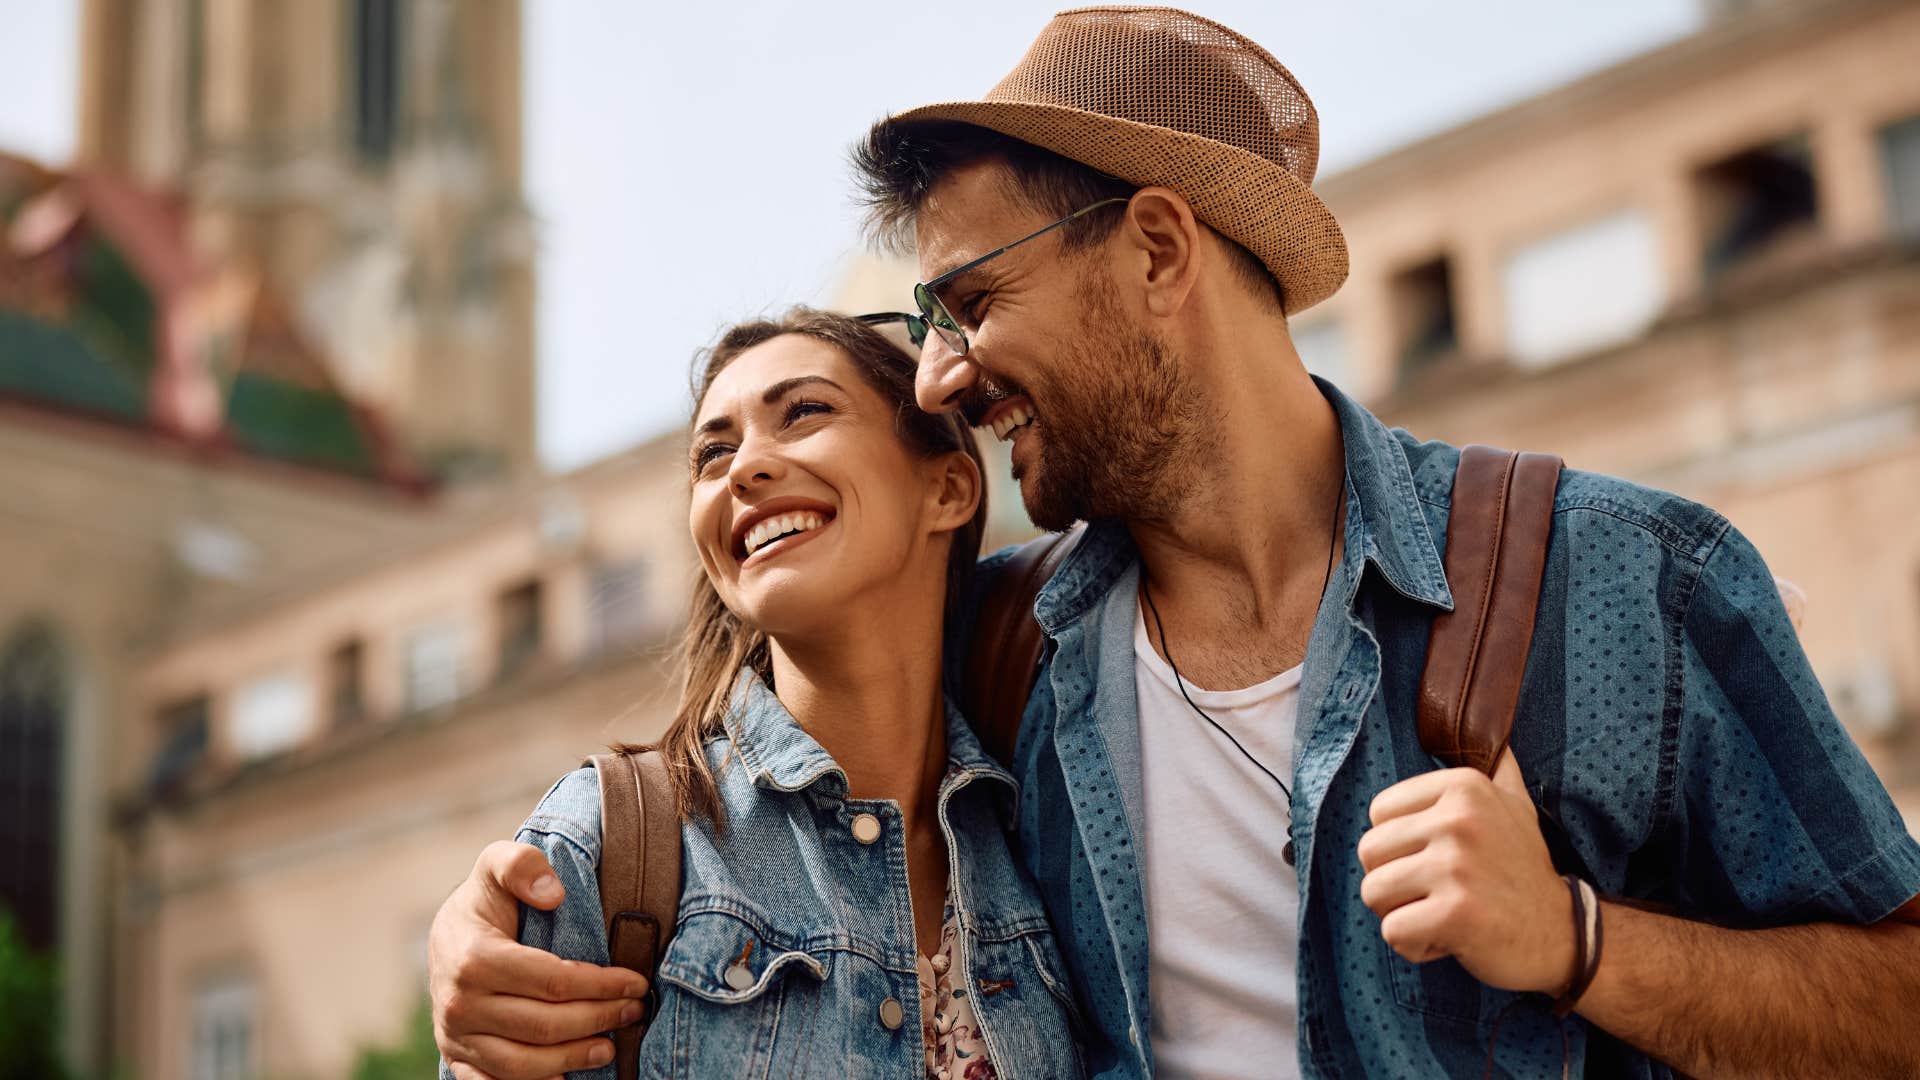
x=1586, y=944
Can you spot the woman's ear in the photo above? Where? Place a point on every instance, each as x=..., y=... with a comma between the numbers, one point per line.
x=953, y=490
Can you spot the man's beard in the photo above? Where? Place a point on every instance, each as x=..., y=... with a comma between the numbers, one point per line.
x=1122, y=432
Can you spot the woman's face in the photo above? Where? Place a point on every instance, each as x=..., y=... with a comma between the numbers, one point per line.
x=804, y=495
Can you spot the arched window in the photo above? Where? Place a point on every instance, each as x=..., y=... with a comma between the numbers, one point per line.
x=33, y=713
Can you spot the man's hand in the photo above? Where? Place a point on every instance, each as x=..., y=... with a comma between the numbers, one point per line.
x=1456, y=866
x=501, y=1010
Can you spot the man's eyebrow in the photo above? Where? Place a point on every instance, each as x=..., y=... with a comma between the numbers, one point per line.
x=967, y=281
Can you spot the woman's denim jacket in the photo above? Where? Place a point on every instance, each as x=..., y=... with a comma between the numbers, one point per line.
x=822, y=923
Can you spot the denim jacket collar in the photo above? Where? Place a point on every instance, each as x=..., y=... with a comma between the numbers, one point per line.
x=1393, y=532
x=779, y=755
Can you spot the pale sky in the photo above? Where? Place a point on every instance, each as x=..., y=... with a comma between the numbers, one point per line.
x=686, y=161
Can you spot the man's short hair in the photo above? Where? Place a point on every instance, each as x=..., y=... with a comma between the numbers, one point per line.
x=897, y=165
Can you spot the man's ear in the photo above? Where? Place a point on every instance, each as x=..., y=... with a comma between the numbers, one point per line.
x=954, y=490
x=1162, y=242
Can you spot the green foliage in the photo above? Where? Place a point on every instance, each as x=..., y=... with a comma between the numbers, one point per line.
x=413, y=1058
x=29, y=1004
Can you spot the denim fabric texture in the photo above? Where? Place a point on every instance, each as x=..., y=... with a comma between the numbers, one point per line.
x=1670, y=730
x=822, y=923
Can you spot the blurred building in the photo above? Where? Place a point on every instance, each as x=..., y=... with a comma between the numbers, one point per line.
x=291, y=625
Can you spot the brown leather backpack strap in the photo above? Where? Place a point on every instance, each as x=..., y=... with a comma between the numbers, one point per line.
x=639, y=877
x=1003, y=655
x=1497, y=535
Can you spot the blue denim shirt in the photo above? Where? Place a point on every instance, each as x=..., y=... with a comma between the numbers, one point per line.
x=1670, y=730
x=829, y=919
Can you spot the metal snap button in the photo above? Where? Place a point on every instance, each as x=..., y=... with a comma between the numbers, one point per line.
x=892, y=1014
x=738, y=975
x=866, y=828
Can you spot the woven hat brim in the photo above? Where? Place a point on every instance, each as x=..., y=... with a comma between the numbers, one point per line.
x=1250, y=200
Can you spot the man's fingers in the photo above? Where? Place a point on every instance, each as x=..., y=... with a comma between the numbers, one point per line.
x=462, y=1071
x=1394, y=839
x=517, y=970
x=1416, y=793
x=545, y=1023
x=1415, y=930
x=1396, y=884
x=504, y=1059
x=522, y=872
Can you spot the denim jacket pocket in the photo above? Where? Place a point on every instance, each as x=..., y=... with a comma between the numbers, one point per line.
x=723, y=982
x=1025, y=1004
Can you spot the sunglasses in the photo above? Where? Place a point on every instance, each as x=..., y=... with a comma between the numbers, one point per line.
x=934, y=315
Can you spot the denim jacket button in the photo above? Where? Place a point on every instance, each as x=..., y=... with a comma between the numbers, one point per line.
x=892, y=1014
x=866, y=829
x=739, y=977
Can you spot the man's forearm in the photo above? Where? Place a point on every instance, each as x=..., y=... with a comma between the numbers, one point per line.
x=1818, y=1000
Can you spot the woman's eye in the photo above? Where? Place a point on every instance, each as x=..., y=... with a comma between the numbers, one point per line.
x=709, y=454
x=798, y=409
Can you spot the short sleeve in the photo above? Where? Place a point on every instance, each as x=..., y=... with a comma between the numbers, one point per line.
x=1779, y=818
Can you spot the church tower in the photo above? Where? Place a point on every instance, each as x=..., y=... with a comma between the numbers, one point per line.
x=365, y=155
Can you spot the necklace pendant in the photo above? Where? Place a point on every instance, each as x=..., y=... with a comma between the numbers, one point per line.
x=1286, y=853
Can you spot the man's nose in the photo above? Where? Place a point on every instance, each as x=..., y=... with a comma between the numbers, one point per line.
x=943, y=377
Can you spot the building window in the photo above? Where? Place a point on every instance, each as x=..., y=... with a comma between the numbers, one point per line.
x=433, y=667
x=1322, y=345
x=618, y=605
x=224, y=1032
x=376, y=51
x=1900, y=154
x=184, y=728
x=346, y=685
x=33, y=705
x=271, y=714
x=1423, y=315
x=519, y=616
x=1756, y=205
x=1553, y=307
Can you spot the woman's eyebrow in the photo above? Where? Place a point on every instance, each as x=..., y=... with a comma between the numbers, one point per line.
x=785, y=386
x=772, y=394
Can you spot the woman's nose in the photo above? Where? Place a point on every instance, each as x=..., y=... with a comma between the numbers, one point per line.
x=943, y=377
x=753, y=464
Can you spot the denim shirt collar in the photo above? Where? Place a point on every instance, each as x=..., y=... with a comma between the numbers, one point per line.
x=1392, y=533
x=779, y=755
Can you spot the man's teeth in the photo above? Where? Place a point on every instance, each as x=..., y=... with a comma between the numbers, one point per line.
x=775, y=527
x=1015, y=419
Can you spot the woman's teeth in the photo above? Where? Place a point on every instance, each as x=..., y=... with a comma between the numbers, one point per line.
x=776, y=527
x=1016, y=418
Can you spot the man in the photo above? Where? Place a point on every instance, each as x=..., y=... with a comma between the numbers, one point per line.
x=1113, y=241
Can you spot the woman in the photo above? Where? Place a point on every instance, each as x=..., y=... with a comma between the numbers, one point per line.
x=850, y=907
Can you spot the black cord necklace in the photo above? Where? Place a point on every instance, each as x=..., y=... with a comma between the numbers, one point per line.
x=1333, y=536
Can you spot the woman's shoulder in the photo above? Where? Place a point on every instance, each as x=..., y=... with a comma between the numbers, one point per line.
x=569, y=811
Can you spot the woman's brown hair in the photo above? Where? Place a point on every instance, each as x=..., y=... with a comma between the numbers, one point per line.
x=717, y=643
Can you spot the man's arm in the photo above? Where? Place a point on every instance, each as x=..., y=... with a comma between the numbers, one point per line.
x=1456, y=866
x=503, y=1010
x=1824, y=999
x=1772, y=818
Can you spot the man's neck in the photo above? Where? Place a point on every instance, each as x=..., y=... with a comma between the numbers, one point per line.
x=1242, y=550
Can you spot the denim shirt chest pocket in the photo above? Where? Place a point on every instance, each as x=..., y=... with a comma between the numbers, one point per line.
x=732, y=998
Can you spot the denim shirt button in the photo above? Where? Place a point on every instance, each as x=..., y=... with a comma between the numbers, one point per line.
x=866, y=829
x=892, y=1014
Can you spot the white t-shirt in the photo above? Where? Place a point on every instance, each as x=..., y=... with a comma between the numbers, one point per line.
x=1221, y=902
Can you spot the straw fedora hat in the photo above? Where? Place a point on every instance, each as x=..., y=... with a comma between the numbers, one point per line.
x=1159, y=96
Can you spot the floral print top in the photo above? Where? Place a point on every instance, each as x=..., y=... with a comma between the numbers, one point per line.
x=955, y=1049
